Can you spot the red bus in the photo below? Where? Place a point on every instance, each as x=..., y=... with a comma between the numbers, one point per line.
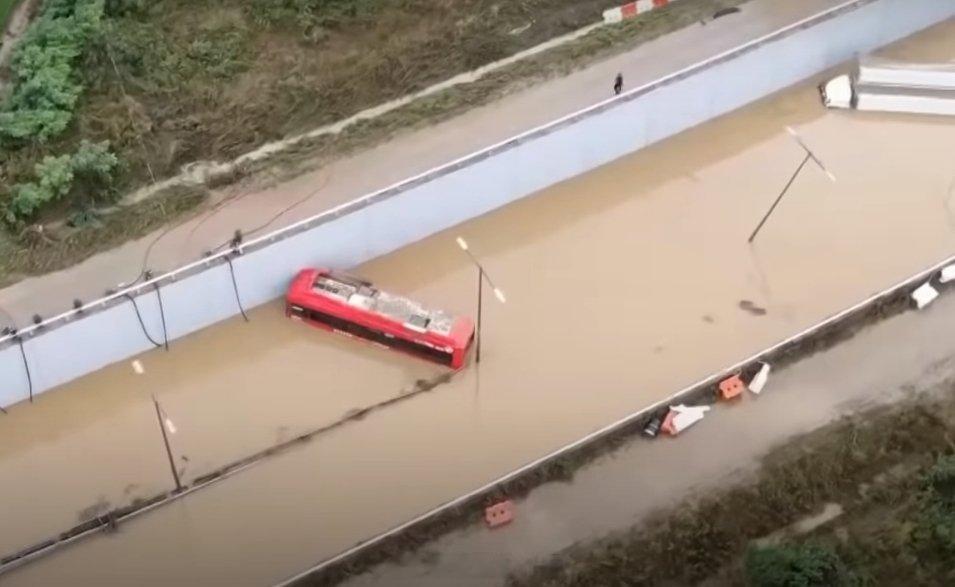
x=352, y=306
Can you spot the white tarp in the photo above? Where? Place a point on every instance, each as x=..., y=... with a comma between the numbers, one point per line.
x=682, y=417
x=947, y=274
x=924, y=295
x=759, y=381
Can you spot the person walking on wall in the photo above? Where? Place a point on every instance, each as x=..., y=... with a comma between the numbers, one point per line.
x=618, y=84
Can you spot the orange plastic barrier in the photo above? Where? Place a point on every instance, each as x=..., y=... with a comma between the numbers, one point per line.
x=667, y=426
x=499, y=514
x=731, y=387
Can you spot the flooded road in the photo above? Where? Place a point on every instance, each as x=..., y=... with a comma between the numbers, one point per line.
x=623, y=285
x=890, y=361
x=230, y=391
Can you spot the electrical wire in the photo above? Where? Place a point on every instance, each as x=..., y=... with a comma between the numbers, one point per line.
x=140, y=318
x=26, y=367
x=232, y=241
x=162, y=315
x=143, y=270
x=144, y=267
x=235, y=288
x=146, y=158
x=215, y=210
x=208, y=215
x=277, y=215
x=129, y=114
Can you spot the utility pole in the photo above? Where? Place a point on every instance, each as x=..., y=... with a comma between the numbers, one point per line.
x=482, y=277
x=809, y=155
x=477, y=348
x=163, y=423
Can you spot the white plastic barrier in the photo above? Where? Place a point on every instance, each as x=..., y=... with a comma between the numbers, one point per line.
x=107, y=331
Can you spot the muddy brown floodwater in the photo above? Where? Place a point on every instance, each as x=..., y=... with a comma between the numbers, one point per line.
x=622, y=286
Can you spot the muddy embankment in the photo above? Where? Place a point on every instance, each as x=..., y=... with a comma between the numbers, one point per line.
x=561, y=465
x=864, y=473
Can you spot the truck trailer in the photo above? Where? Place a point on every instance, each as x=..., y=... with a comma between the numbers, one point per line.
x=881, y=85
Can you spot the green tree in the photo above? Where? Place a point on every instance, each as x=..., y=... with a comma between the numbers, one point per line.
x=93, y=168
x=44, y=87
x=126, y=7
x=27, y=198
x=55, y=174
x=938, y=506
x=940, y=480
x=54, y=180
x=805, y=565
x=94, y=160
x=92, y=165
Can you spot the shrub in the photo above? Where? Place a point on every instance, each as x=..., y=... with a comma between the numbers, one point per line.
x=309, y=13
x=92, y=163
x=158, y=63
x=940, y=480
x=54, y=180
x=796, y=566
x=45, y=90
x=937, y=523
x=115, y=8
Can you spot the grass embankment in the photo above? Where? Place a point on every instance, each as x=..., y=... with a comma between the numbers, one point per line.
x=34, y=251
x=211, y=80
x=891, y=471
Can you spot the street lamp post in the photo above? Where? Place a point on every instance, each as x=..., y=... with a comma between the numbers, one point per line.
x=809, y=155
x=482, y=277
x=165, y=424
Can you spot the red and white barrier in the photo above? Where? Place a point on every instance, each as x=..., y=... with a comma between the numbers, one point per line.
x=631, y=9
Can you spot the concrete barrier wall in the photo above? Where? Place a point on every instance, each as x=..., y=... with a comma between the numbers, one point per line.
x=106, y=331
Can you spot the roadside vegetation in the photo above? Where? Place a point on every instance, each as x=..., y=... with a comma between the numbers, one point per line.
x=6, y=8
x=110, y=95
x=150, y=86
x=891, y=472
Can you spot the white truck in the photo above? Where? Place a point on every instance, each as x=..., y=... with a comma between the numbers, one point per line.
x=893, y=86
